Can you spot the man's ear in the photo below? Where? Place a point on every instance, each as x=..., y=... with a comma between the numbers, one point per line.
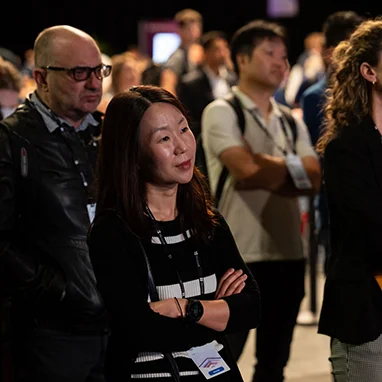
x=39, y=76
x=368, y=73
x=241, y=59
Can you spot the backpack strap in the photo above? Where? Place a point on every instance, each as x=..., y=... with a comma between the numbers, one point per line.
x=235, y=103
x=285, y=110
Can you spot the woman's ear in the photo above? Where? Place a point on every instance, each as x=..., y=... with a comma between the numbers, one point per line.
x=368, y=73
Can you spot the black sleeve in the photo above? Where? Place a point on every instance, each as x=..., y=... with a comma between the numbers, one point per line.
x=19, y=271
x=245, y=307
x=122, y=281
x=354, y=199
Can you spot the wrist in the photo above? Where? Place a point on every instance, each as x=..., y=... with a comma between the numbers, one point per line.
x=194, y=311
x=179, y=308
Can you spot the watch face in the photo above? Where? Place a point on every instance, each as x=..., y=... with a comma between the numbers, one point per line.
x=195, y=310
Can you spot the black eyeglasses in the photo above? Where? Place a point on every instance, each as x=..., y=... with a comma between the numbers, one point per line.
x=82, y=73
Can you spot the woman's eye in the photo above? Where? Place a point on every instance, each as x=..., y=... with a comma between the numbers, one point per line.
x=185, y=129
x=165, y=139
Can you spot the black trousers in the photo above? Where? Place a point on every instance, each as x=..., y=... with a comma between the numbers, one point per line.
x=281, y=285
x=46, y=355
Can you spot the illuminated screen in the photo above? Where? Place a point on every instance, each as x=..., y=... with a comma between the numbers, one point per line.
x=164, y=44
x=282, y=8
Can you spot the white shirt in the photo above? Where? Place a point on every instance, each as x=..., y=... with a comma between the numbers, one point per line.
x=219, y=84
x=265, y=226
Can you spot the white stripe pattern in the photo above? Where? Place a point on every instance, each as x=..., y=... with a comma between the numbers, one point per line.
x=191, y=288
x=154, y=356
x=163, y=375
x=172, y=239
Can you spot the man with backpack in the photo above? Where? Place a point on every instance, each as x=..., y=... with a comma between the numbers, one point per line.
x=270, y=163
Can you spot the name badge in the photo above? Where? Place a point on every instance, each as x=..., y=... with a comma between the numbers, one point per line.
x=91, y=211
x=208, y=360
x=297, y=172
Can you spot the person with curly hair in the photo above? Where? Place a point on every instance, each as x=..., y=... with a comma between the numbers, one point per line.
x=352, y=151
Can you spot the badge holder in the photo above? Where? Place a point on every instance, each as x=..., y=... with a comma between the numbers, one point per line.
x=297, y=172
x=208, y=360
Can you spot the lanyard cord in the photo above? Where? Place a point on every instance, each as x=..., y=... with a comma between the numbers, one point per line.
x=269, y=135
x=170, y=257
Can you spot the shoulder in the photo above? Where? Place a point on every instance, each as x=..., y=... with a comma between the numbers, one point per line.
x=219, y=106
x=178, y=56
x=195, y=76
x=314, y=91
x=22, y=119
x=218, y=118
x=350, y=138
x=295, y=121
x=107, y=225
x=221, y=223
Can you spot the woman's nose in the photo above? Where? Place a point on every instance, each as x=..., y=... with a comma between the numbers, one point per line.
x=180, y=146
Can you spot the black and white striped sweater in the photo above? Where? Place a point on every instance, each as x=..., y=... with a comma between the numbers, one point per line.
x=118, y=263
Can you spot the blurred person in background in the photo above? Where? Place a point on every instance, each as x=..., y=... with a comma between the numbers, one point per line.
x=127, y=72
x=259, y=197
x=212, y=79
x=190, y=23
x=337, y=27
x=308, y=69
x=11, y=82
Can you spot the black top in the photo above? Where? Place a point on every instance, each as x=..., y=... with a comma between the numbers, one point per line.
x=352, y=305
x=122, y=279
x=195, y=92
x=46, y=183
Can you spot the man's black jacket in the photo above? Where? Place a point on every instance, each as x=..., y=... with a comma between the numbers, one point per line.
x=46, y=182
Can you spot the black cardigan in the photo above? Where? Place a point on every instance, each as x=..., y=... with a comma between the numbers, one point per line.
x=121, y=274
x=352, y=305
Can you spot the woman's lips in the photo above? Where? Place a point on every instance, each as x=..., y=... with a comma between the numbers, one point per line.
x=185, y=165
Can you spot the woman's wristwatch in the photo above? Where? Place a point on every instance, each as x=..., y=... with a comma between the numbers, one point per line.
x=194, y=311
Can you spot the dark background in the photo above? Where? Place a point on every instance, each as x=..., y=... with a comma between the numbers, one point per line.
x=115, y=24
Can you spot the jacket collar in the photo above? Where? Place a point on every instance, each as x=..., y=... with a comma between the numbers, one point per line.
x=52, y=121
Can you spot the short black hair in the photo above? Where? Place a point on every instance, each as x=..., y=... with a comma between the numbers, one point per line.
x=339, y=26
x=209, y=37
x=187, y=15
x=250, y=35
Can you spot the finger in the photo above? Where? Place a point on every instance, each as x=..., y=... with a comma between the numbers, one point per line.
x=228, y=281
x=234, y=285
x=223, y=278
x=239, y=288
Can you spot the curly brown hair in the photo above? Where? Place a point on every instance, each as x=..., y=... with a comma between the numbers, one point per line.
x=348, y=98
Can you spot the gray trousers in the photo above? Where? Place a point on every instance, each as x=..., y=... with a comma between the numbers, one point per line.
x=356, y=363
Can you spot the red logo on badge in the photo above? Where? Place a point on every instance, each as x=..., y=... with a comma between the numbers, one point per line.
x=24, y=162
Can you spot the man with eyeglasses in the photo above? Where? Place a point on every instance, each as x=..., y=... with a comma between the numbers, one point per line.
x=48, y=154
